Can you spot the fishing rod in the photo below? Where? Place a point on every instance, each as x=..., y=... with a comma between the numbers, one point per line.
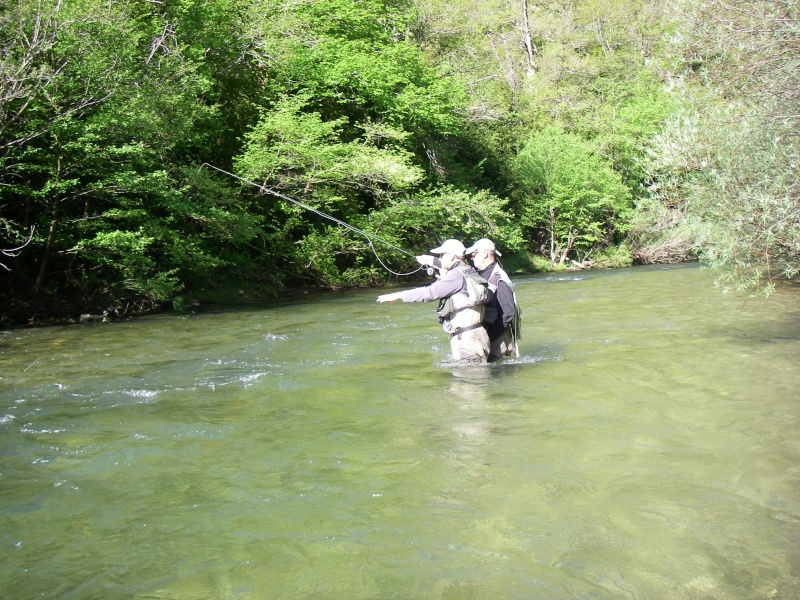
x=344, y=224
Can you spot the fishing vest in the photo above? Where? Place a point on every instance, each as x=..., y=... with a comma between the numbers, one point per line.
x=497, y=275
x=464, y=309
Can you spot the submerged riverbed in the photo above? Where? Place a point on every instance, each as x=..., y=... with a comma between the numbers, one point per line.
x=645, y=445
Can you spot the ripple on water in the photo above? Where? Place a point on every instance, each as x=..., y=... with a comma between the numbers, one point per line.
x=144, y=395
x=331, y=449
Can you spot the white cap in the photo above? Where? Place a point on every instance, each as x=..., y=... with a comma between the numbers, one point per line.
x=485, y=245
x=450, y=247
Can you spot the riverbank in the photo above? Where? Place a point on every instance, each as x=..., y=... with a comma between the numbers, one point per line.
x=238, y=291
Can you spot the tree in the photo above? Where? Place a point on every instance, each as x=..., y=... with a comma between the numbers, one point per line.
x=585, y=68
x=303, y=158
x=725, y=167
x=571, y=194
x=96, y=155
x=356, y=125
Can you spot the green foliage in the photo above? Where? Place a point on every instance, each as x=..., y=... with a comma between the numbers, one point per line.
x=300, y=153
x=629, y=107
x=613, y=257
x=571, y=193
x=731, y=188
x=123, y=257
x=95, y=156
x=446, y=212
x=542, y=264
x=302, y=157
x=356, y=62
x=350, y=132
x=538, y=124
x=589, y=69
x=723, y=172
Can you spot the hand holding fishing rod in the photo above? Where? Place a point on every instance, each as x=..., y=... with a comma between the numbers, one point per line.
x=433, y=264
x=426, y=260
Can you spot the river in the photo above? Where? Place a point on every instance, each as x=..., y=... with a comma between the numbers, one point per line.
x=644, y=445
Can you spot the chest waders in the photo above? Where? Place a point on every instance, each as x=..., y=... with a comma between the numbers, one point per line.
x=516, y=323
x=463, y=311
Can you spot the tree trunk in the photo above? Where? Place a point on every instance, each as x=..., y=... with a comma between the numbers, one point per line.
x=51, y=232
x=43, y=267
x=530, y=48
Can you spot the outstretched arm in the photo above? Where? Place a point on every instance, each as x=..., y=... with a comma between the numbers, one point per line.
x=390, y=297
x=450, y=283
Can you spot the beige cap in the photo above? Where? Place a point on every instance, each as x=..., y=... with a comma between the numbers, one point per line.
x=450, y=247
x=484, y=244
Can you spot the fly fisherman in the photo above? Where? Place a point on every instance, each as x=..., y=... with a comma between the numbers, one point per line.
x=461, y=294
x=501, y=307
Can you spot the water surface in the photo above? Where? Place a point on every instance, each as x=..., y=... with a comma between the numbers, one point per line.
x=645, y=445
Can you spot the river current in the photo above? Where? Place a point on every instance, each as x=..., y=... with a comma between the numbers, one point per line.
x=644, y=445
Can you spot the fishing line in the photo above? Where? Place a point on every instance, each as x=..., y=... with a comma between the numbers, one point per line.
x=352, y=228
x=33, y=363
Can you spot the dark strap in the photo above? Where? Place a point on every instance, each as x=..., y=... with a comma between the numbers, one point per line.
x=461, y=330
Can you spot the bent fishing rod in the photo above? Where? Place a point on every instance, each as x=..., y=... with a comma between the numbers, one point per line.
x=369, y=237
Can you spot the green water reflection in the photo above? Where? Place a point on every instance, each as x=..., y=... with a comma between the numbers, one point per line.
x=644, y=446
